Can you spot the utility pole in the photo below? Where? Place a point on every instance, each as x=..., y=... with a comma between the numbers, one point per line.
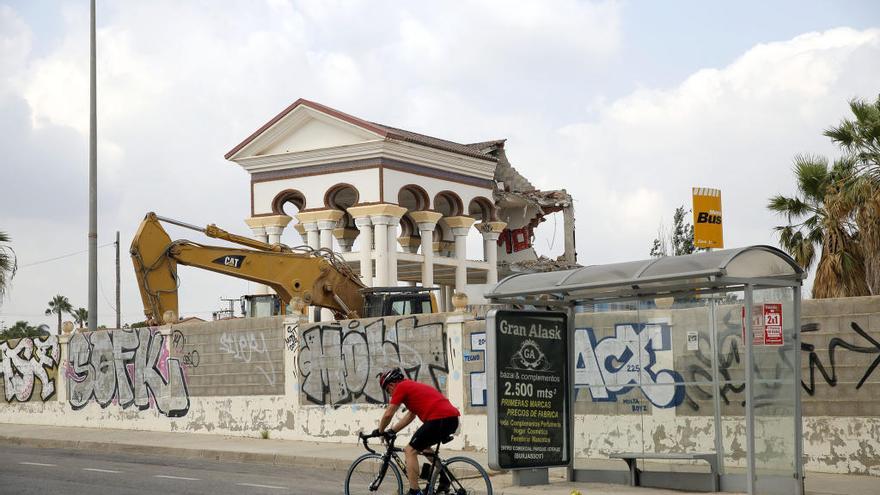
x=118, y=295
x=93, y=184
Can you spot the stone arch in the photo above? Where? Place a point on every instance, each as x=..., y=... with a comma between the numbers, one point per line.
x=482, y=209
x=413, y=198
x=341, y=197
x=285, y=197
x=448, y=203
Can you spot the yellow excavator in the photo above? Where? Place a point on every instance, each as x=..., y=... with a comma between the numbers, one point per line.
x=318, y=277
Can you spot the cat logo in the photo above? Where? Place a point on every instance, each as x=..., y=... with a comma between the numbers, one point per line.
x=707, y=218
x=232, y=261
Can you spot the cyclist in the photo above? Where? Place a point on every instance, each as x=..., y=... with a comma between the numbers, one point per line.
x=439, y=420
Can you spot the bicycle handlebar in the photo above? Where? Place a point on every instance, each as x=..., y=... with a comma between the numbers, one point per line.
x=387, y=435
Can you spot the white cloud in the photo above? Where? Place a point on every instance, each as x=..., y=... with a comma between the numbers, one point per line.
x=182, y=83
x=735, y=127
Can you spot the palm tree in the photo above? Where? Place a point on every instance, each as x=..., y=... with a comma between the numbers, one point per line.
x=81, y=317
x=8, y=264
x=59, y=305
x=861, y=139
x=821, y=215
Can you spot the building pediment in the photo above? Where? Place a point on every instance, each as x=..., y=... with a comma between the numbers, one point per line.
x=301, y=128
x=307, y=134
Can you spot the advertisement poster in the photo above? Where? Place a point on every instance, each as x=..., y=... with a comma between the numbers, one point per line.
x=528, y=389
x=766, y=324
x=773, y=324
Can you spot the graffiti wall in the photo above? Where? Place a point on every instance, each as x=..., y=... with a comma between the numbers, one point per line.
x=28, y=368
x=643, y=378
x=125, y=368
x=337, y=362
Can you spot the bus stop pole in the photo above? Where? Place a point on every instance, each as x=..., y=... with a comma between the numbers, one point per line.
x=572, y=355
x=716, y=387
x=750, y=394
x=798, y=420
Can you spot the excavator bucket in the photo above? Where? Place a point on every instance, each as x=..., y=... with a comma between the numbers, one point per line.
x=156, y=271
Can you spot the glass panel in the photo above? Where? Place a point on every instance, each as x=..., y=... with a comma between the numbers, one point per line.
x=775, y=383
x=643, y=376
x=607, y=404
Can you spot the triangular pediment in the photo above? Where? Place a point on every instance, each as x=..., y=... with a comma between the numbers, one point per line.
x=304, y=128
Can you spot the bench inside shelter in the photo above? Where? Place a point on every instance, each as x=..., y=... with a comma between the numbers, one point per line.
x=707, y=482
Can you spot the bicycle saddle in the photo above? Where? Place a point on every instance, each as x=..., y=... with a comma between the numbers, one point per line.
x=447, y=439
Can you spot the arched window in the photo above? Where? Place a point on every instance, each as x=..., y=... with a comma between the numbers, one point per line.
x=482, y=209
x=448, y=203
x=413, y=198
x=288, y=202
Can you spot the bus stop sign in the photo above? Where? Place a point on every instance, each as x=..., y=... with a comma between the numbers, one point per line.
x=527, y=354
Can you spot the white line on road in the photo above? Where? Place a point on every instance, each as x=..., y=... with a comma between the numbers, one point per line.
x=101, y=470
x=263, y=486
x=38, y=464
x=176, y=477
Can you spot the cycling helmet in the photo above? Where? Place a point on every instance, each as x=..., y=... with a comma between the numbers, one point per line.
x=391, y=376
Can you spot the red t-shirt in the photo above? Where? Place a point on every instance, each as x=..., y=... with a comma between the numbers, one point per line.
x=424, y=400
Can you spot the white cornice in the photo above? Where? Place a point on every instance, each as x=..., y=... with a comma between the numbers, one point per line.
x=394, y=150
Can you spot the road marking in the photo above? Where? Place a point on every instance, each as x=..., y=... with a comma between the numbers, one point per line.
x=101, y=470
x=176, y=477
x=263, y=486
x=38, y=464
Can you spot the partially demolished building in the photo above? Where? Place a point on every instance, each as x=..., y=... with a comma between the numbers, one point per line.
x=397, y=205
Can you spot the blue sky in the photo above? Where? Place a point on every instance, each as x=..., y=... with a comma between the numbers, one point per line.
x=625, y=104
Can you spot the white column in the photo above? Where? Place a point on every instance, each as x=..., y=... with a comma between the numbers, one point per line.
x=460, y=227
x=366, y=245
x=392, y=251
x=491, y=231
x=260, y=235
x=326, y=233
x=313, y=239
x=427, y=222
x=460, y=258
x=490, y=250
x=273, y=233
x=380, y=233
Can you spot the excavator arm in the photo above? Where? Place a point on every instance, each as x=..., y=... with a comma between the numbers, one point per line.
x=316, y=277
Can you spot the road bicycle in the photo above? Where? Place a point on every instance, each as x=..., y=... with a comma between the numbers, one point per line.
x=385, y=473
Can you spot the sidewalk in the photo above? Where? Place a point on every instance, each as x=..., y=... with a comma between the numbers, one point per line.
x=331, y=456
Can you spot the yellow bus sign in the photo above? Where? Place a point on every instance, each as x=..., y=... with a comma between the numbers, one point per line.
x=708, y=232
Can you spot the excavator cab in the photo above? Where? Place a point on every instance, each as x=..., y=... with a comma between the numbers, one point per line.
x=393, y=301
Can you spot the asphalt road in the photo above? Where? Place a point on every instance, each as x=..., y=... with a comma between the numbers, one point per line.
x=25, y=470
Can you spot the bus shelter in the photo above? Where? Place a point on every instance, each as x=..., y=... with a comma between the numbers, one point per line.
x=686, y=369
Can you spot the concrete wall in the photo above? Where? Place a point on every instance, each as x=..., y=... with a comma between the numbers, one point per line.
x=316, y=381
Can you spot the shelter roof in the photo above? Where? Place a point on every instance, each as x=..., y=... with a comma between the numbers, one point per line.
x=655, y=276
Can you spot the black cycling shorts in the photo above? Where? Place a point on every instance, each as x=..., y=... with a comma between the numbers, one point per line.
x=433, y=432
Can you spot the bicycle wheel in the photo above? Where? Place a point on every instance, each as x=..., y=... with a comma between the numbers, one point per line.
x=365, y=470
x=466, y=477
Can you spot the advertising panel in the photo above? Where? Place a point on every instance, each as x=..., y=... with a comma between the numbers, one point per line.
x=528, y=366
x=708, y=231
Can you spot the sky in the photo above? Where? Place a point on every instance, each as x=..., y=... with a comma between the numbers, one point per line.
x=625, y=104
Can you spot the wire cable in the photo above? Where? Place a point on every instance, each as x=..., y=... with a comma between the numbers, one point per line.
x=63, y=256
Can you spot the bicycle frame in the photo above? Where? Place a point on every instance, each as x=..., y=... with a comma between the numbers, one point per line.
x=391, y=454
